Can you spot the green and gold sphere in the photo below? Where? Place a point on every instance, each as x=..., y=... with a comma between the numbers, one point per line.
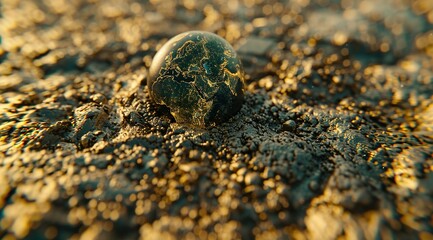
x=199, y=77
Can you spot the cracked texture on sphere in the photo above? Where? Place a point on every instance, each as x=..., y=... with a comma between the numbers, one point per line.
x=198, y=76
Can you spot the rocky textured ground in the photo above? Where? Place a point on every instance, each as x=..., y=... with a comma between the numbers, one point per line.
x=334, y=140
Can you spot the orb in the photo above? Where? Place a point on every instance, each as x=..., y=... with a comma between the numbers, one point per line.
x=199, y=77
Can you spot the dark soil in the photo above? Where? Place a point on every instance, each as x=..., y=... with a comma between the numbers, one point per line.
x=334, y=139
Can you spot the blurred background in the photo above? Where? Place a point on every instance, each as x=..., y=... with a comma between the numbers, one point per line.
x=117, y=31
